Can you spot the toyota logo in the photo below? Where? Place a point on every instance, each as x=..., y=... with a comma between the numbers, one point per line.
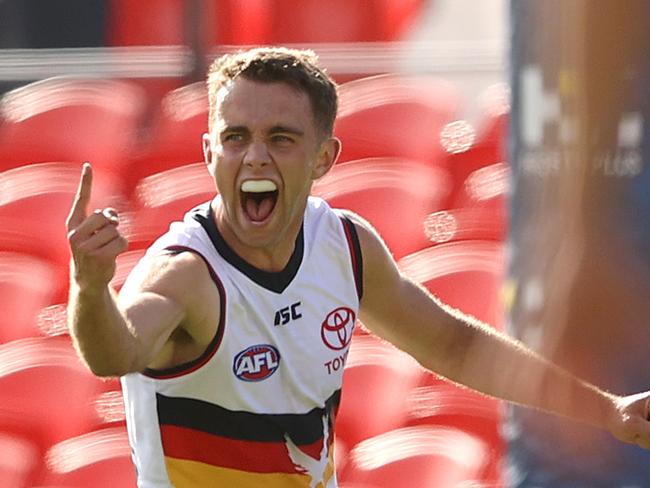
x=336, y=329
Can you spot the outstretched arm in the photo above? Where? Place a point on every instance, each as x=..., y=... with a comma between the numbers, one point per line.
x=473, y=354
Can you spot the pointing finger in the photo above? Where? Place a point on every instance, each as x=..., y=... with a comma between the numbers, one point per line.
x=79, y=208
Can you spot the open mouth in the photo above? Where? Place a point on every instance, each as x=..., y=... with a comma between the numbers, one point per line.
x=258, y=199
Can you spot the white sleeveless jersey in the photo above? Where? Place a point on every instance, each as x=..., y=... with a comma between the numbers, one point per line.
x=257, y=408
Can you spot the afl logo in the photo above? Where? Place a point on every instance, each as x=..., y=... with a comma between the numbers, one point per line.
x=336, y=329
x=256, y=363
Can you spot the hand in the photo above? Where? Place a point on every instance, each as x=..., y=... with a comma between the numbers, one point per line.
x=631, y=420
x=94, y=239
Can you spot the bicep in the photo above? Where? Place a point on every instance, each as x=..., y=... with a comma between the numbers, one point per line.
x=154, y=305
x=401, y=311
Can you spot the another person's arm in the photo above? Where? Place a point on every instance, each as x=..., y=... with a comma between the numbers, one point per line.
x=473, y=354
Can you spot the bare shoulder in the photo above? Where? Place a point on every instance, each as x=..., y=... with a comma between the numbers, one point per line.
x=374, y=251
x=167, y=273
x=181, y=278
x=176, y=284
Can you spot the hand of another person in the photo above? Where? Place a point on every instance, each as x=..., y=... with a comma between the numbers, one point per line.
x=94, y=239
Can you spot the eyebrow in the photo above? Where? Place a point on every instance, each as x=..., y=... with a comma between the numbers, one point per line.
x=285, y=130
x=233, y=128
x=276, y=129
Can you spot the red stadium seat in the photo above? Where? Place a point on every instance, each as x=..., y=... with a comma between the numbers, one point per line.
x=19, y=461
x=493, y=126
x=137, y=24
x=258, y=22
x=441, y=403
x=101, y=459
x=43, y=382
x=165, y=197
x=68, y=119
x=396, y=116
x=478, y=209
x=376, y=382
x=337, y=20
x=485, y=148
x=45, y=193
x=393, y=194
x=424, y=456
x=27, y=284
x=467, y=275
x=176, y=134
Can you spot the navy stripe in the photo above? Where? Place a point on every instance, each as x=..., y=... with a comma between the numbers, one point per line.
x=218, y=336
x=355, y=250
x=203, y=416
x=273, y=281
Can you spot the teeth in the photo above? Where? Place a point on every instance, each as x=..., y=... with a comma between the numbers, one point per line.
x=258, y=186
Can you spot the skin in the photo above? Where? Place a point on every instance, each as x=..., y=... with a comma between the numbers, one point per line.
x=167, y=311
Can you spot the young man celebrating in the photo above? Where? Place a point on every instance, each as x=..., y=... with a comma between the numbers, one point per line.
x=222, y=331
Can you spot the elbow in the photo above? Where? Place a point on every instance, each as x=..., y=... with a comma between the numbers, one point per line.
x=107, y=370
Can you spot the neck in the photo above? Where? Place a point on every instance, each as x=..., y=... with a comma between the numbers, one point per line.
x=271, y=257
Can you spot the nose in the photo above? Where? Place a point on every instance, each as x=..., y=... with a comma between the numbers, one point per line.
x=257, y=154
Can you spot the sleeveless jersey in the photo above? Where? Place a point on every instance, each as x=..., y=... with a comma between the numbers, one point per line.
x=257, y=408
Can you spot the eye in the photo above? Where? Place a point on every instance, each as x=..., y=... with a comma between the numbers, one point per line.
x=233, y=137
x=282, y=139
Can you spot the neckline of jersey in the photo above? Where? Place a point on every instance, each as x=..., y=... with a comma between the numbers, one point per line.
x=275, y=281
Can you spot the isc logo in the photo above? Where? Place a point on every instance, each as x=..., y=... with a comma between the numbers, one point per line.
x=256, y=363
x=287, y=314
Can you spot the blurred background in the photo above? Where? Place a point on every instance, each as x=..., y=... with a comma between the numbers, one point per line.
x=424, y=115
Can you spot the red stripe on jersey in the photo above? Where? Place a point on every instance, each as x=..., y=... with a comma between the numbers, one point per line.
x=251, y=456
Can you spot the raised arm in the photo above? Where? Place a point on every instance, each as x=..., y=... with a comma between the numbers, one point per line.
x=115, y=338
x=473, y=354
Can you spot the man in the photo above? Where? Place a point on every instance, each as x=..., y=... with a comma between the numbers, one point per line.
x=221, y=333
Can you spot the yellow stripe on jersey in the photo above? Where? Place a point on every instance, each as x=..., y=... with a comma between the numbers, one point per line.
x=193, y=474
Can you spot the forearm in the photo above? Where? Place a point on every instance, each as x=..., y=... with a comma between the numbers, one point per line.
x=473, y=354
x=497, y=365
x=99, y=331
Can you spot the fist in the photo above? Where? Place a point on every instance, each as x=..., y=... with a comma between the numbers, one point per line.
x=94, y=239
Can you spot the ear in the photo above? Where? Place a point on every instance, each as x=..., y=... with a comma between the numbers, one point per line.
x=327, y=155
x=207, y=150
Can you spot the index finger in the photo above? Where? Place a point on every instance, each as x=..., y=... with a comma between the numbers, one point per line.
x=79, y=208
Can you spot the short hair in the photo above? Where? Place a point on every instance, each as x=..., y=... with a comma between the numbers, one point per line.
x=297, y=68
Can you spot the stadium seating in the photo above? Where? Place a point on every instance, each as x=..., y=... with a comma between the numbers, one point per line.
x=45, y=385
x=101, y=459
x=438, y=402
x=137, y=24
x=393, y=194
x=336, y=21
x=176, y=132
x=44, y=193
x=70, y=119
x=165, y=197
x=477, y=209
x=26, y=286
x=256, y=22
x=487, y=147
x=395, y=116
x=19, y=461
x=423, y=456
x=492, y=131
x=467, y=275
x=376, y=382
